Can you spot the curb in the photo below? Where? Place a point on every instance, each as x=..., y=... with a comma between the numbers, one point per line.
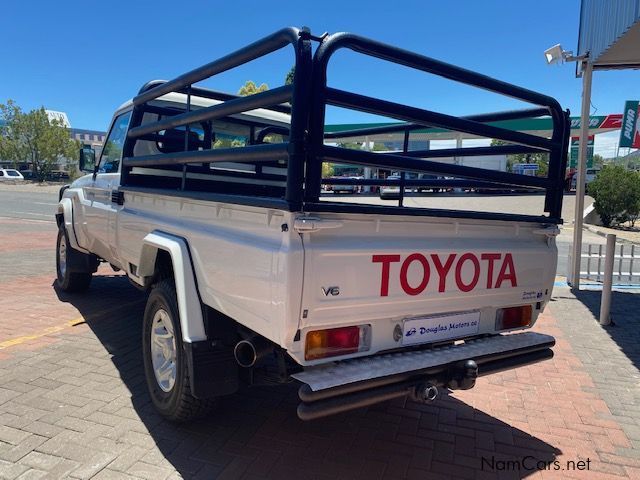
x=593, y=229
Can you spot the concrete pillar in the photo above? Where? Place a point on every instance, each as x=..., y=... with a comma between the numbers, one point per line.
x=587, y=71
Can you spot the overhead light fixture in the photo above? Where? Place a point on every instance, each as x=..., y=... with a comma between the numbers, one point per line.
x=556, y=54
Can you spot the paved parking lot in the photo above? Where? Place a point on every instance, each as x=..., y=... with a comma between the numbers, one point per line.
x=73, y=403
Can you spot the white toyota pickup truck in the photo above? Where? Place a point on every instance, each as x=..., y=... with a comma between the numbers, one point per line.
x=212, y=204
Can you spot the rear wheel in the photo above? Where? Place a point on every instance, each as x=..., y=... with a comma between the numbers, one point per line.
x=165, y=361
x=67, y=280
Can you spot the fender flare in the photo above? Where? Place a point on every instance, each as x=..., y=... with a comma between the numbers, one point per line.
x=65, y=216
x=188, y=298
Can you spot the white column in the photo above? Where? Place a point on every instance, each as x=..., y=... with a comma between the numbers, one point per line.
x=458, y=160
x=605, y=300
x=587, y=70
x=367, y=170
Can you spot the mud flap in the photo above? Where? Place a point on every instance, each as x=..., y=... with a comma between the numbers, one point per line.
x=213, y=371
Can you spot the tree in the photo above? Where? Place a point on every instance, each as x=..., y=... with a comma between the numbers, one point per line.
x=327, y=170
x=34, y=138
x=379, y=147
x=288, y=80
x=540, y=159
x=250, y=88
x=616, y=194
x=598, y=160
x=228, y=143
x=632, y=196
x=351, y=145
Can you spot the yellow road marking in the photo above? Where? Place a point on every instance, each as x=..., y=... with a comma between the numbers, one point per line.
x=47, y=331
x=71, y=323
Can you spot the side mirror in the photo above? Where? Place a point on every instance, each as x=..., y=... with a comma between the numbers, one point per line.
x=87, y=161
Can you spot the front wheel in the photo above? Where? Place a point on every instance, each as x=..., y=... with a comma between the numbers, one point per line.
x=165, y=362
x=67, y=280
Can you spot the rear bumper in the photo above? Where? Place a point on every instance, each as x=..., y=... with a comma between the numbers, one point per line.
x=342, y=386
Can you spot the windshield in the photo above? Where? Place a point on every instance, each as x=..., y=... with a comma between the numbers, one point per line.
x=13, y=173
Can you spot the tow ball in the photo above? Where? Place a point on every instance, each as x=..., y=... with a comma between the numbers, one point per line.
x=463, y=376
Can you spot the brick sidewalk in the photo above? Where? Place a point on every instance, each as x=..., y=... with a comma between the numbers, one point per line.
x=73, y=401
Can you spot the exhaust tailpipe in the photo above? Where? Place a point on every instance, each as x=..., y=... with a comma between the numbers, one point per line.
x=424, y=393
x=248, y=352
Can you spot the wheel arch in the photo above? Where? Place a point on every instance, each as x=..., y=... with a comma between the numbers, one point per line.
x=154, y=247
x=64, y=218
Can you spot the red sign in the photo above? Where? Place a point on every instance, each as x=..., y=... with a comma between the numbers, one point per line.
x=445, y=267
x=612, y=121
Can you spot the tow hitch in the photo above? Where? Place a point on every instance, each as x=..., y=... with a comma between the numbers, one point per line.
x=463, y=376
x=325, y=393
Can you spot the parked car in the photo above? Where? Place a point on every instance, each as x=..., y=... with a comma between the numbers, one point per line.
x=8, y=174
x=58, y=175
x=343, y=188
x=428, y=176
x=390, y=191
x=589, y=176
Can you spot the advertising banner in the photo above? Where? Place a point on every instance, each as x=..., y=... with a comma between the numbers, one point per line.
x=629, y=133
x=573, y=158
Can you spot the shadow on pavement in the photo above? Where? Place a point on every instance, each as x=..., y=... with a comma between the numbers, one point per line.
x=256, y=433
x=625, y=327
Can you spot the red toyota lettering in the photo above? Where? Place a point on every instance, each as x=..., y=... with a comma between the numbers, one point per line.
x=476, y=272
x=490, y=257
x=507, y=264
x=442, y=270
x=466, y=283
x=426, y=274
x=386, y=261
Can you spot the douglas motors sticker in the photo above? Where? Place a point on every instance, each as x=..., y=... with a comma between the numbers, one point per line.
x=531, y=295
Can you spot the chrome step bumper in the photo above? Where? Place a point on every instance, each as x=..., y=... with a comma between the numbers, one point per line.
x=343, y=385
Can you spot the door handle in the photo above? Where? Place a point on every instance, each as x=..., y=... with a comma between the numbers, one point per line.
x=313, y=224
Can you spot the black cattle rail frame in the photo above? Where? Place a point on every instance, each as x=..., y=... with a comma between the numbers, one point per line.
x=305, y=150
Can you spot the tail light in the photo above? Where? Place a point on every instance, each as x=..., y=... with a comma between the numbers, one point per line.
x=337, y=341
x=513, y=317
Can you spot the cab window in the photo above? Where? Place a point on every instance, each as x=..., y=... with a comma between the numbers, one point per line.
x=112, y=150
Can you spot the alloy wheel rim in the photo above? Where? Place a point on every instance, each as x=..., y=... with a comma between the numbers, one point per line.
x=62, y=256
x=163, y=350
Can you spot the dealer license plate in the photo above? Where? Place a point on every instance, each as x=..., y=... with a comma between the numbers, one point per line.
x=440, y=327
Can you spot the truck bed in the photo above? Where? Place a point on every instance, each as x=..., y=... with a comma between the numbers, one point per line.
x=275, y=280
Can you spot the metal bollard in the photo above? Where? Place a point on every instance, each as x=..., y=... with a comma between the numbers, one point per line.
x=605, y=301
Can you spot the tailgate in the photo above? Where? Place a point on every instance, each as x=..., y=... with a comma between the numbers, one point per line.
x=443, y=278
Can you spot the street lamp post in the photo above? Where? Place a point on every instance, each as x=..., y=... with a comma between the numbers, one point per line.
x=556, y=54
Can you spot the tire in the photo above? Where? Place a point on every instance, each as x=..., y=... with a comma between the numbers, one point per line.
x=67, y=281
x=172, y=398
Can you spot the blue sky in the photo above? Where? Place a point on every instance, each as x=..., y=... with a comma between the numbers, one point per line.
x=86, y=58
